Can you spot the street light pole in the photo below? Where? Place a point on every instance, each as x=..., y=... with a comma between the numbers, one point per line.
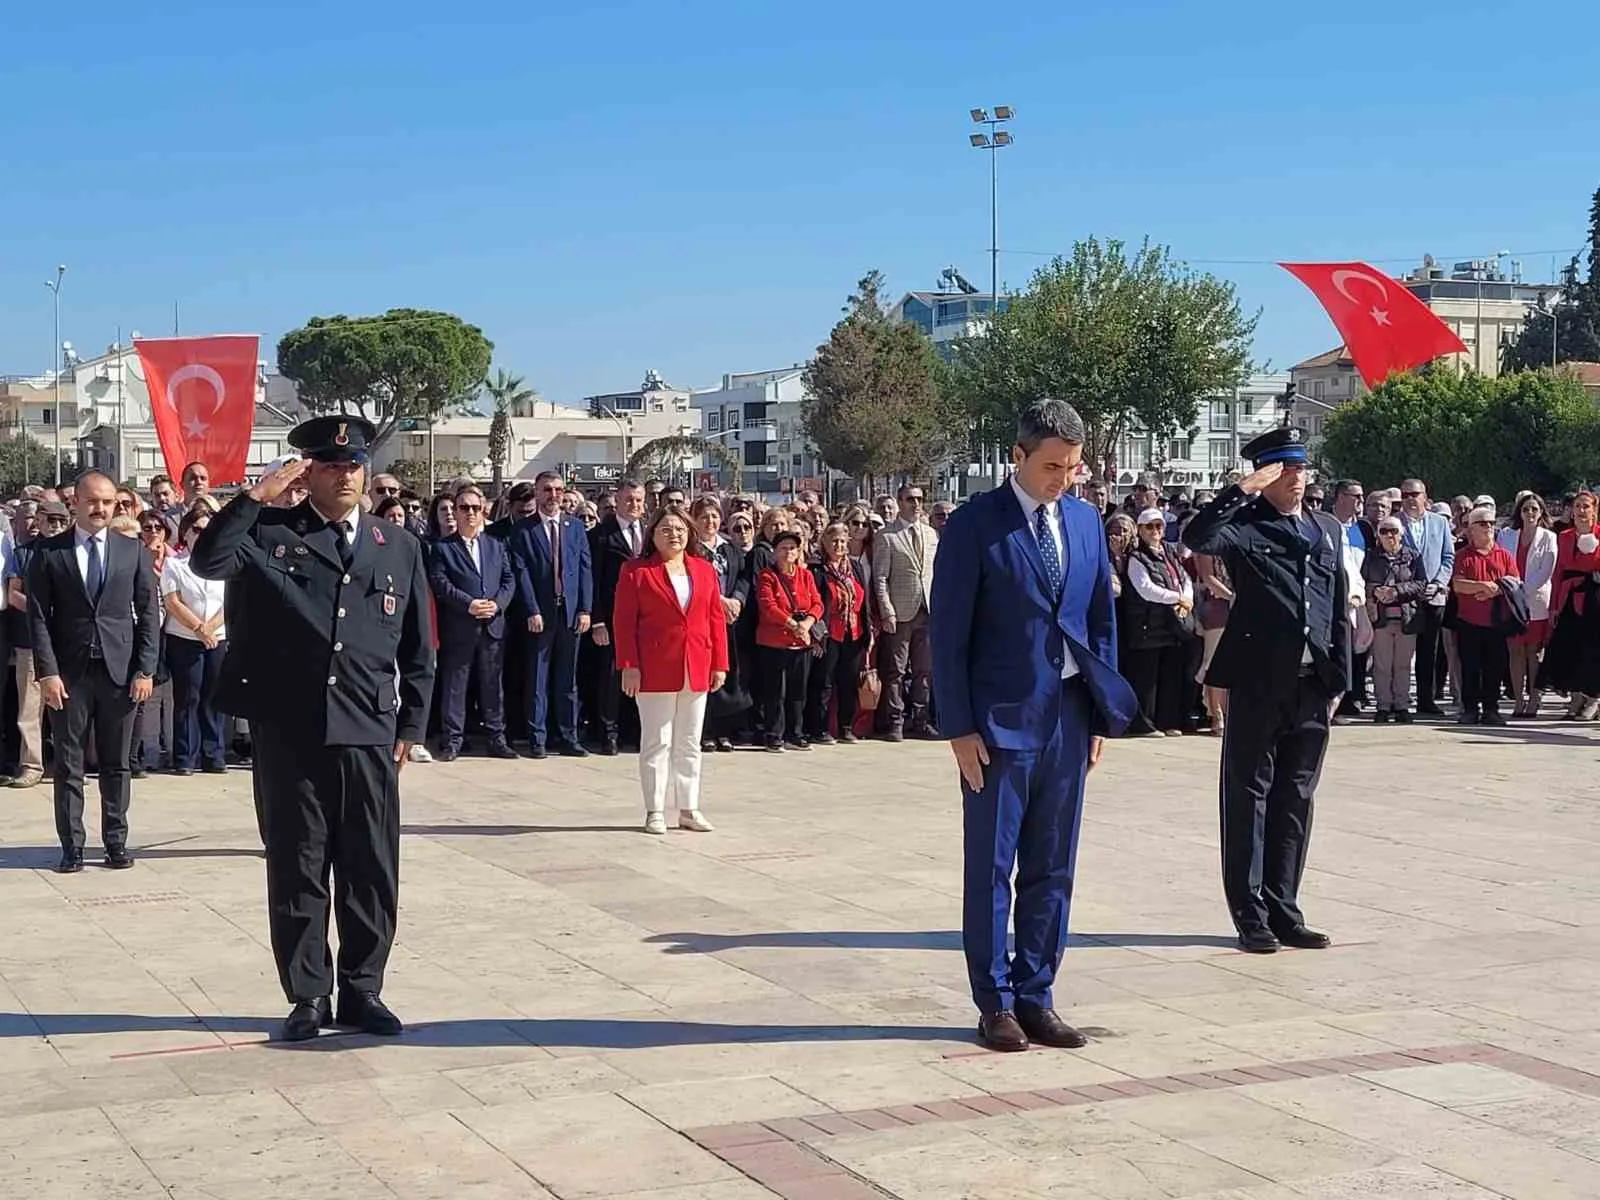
x=994, y=141
x=55, y=367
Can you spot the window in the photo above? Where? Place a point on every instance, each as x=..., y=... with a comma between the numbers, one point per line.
x=783, y=445
x=1222, y=456
x=1319, y=390
x=47, y=416
x=755, y=454
x=1178, y=448
x=796, y=461
x=714, y=422
x=1221, y=416
x=1136, y=451
x=733, y=419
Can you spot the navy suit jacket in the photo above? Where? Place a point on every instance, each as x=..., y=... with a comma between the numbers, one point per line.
x=457, y=583
x=998, y=635
x=535, y=568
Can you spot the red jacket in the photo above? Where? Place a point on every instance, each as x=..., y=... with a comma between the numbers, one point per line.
x=774, y=607
x=666, y=643
x=1573, y=566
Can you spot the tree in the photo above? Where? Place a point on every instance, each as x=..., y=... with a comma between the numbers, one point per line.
x=1131, y=342
x=19, y=449
x=413, y=473
x=408, y=364
x=873, y=403
x=663, y=456
x=509, y=397
x=1575, y=326
x=1469, y=434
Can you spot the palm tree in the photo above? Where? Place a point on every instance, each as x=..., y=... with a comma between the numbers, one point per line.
x=509, y=397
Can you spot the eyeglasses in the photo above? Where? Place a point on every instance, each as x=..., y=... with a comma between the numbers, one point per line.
x=1409, y=495
x=741, y=527
x=1476, y=524
x=463, y=508
x=387, y=491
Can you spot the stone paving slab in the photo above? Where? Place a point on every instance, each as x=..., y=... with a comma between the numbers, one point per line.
x=779, y=1008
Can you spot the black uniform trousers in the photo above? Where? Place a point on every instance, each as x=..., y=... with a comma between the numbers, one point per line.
x=94, y=702
x=1271, y=759
x=328, y=809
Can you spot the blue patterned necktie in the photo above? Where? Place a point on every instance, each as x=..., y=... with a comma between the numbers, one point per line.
x=1047, y=549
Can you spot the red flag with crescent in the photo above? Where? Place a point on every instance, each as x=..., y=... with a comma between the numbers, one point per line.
x=203, y=400
x=1385, y=327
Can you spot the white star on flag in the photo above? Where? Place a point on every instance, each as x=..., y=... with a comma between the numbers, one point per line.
x=194, y=426
x=1379, y=316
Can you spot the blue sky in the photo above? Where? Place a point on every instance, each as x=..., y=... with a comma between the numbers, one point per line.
x=607, y=187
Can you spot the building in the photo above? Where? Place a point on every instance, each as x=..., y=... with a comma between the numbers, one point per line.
x=1587, y=374
x=756, y=414
x=1208, y=455
x=651, y=397
x=947, y=316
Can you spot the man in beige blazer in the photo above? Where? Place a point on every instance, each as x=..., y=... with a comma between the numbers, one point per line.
x=902, y=569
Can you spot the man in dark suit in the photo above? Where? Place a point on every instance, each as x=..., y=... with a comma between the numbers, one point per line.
x=1025, y=672
x=611, y=543
x=1285, y=660
x=334, y=671
x=550, y=551
x=92, y=611
x=473, y=583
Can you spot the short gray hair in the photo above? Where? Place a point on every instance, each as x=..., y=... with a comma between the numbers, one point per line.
x=1044, y=419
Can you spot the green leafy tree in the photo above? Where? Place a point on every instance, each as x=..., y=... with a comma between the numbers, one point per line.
x=24, y=460
x=1131, y=341
x=510, y=397
x=1469, y=434
x=406, y=365
x=873, y=403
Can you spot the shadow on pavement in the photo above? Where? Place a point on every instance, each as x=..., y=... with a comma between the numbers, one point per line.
x=892, y=939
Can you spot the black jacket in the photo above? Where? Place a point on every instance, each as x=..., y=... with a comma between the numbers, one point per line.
x=608, y=550
x=1143, y=624
x=1288, y=594
x=1402, y=571
x=64, y=622
x=345, y=659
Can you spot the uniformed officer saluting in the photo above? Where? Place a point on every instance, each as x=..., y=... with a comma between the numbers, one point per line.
x=1285, y=660
x=334, y=672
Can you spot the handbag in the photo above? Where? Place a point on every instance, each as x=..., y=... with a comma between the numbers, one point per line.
x=819, y=629
x=869, y=689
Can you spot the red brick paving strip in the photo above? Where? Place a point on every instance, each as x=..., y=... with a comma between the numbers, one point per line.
x=778, y=1153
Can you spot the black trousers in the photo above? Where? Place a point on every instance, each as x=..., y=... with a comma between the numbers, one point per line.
x=99, y=706
x=1431, y=667
x=612, y=716
x=783, y=687
x=1271, y=760
x=483, y=656
x=836, y=674
x=1485, y=660
x=1357, y=695
x=1160, y=678
x=328, y=809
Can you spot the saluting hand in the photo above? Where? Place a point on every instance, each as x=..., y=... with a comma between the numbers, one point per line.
x=1260, y=479
x=274, y=483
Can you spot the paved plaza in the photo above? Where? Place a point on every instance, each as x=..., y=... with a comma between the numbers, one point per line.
x=779, y=1008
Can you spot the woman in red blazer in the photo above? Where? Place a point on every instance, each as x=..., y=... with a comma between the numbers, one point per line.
x=787, y=606
x=670, y=632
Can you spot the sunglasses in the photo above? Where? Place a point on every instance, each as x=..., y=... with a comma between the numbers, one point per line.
x=387, y=491
x=152, y=528
x=461, y=508
x=741, y=527
x=1477, y=524
x=858, y=524
x=1388, y=533
x=1409, y=495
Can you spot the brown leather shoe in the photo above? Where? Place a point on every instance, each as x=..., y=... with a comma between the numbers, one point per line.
x=1000, y=1031
x=1043, y=1026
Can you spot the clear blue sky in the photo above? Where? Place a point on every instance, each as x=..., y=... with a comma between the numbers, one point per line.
x=606, y=187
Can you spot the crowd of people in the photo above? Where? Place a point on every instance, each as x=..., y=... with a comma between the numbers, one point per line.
x=565, y=623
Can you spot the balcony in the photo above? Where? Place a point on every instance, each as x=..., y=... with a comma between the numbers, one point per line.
x=760, y=431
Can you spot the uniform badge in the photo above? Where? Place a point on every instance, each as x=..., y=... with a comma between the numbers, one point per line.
x=300, y=550
x=342, y=438
x=1294, y=435
x=388, y=606
x=377, y=535
x=278, y=552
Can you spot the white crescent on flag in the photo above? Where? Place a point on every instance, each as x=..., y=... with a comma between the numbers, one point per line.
x=197, y=371
x=1343, y=276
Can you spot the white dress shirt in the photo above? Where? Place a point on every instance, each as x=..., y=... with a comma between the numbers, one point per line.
x=81, y=550
x=1052, y=520
x=351, y=518
x=472, y=553
x=680, y=585
x=202, y=597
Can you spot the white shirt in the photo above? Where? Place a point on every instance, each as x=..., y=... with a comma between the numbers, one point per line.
x=81, y=549
x=472, y=552
x=1052, y=520
x=1149, y=589
x=202, y=597
x=680, y=585
x=351, y=518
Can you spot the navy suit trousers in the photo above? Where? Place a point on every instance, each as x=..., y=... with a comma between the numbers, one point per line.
x=1026, y=817
x=551, y=686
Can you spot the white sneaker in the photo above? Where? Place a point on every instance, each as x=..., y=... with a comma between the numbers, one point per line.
x=691, y=819
x=419, y=753
x=655, y=823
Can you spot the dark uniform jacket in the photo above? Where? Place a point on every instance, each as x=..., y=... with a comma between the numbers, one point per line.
x=65, y=623
x=1287, y=595
x=346, y=658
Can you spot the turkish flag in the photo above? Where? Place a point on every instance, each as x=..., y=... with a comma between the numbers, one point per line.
x=203, y=400
x=1385, y=327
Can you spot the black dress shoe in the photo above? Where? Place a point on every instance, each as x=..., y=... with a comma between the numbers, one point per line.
x=364, y=1011
x=136, y=773
x=1257, y=941
x=1302, y=938
x=573, y=750
x=1000, y=1031
x=1043, y=1026
x=447, y=754
x=215, y=768
x=183, y=770
x=306, y=1018
x=500, y=750
x=538, y=752
x=71, y=862
x=1467, y=718
x=118, y=858
x=608, y=748
x=1402, y=716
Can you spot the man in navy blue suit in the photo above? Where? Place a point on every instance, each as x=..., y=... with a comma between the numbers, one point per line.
x=1025, y=676
x=556, y=587
x=470, y=573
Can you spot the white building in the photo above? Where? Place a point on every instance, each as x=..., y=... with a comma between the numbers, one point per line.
x=756, y=414
x=1206, y=456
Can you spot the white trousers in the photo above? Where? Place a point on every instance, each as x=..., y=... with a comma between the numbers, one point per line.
x=669, y=748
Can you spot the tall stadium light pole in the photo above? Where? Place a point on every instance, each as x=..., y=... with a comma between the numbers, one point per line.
x=994, y=141
x=55, y=365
